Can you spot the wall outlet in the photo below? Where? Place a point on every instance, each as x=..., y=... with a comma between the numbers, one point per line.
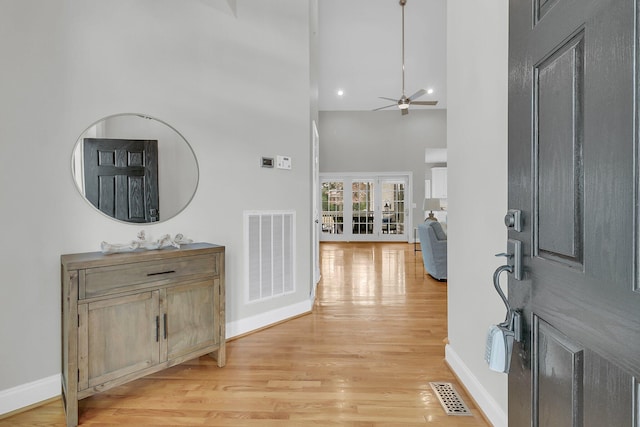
x=283, y=162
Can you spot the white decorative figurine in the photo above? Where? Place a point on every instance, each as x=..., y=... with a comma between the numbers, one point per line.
x=142, y=243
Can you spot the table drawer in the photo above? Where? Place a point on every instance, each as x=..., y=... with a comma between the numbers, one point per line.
x=108, y=280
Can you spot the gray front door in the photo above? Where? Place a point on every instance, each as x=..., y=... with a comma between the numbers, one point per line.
x=573, y=172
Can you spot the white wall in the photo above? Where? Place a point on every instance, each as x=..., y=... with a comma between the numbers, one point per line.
x=382, y=141
x=220, y=78
x=477, y=35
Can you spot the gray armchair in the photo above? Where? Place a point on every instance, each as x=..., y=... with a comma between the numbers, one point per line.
x=433, y=244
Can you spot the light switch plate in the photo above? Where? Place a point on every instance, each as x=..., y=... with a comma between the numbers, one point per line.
x=283, y=162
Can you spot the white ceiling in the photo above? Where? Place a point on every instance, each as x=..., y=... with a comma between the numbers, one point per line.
x=360, y=52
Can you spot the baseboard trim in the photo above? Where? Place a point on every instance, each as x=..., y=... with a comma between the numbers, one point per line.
x=29, y=394
x=487, y=404
x=260, y=321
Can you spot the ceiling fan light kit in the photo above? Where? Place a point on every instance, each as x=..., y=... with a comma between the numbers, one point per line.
x=404, y=101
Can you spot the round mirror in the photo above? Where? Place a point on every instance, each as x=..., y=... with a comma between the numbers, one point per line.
x=135, y=168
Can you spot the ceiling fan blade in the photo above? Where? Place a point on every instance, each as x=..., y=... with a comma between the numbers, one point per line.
x=388, y=99
x=386, y=106
x=418, y=94
x=424, y=102
x=405, y=111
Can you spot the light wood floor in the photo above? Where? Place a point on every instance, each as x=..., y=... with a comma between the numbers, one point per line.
x=364, y=357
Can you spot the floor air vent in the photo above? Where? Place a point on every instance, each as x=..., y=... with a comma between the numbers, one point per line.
x=450, y=399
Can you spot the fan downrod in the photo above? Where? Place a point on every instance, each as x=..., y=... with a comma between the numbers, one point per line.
x=404, y=101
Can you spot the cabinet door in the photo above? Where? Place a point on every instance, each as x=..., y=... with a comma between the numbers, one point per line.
x=118, y=336
x=190, y=317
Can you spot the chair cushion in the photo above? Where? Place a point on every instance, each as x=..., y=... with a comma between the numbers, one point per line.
x=437, y=228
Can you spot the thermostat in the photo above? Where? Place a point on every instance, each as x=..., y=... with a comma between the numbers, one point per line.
x=283, y=162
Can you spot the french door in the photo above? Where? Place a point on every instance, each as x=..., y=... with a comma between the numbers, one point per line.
x=365, y=207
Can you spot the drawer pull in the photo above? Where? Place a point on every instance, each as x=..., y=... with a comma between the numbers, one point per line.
x=157, y=328
x=161, y=272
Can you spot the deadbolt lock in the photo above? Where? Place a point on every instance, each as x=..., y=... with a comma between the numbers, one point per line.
x=513, y=219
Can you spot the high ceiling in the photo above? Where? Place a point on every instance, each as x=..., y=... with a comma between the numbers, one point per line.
x=360, y=52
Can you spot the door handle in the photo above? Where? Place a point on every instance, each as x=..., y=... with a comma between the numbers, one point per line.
x=514, y=257
x=165, y=325
x=500, y=337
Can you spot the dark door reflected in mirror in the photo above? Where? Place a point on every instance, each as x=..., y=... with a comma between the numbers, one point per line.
x=135, y=168
x=121, y=178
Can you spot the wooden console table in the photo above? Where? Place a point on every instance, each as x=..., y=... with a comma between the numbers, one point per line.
x=127, y=315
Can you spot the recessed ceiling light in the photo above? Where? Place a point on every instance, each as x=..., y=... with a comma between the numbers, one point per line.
x=340, y=92
x=429, y=91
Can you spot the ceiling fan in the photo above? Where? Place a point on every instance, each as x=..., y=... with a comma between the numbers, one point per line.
x=404, y=101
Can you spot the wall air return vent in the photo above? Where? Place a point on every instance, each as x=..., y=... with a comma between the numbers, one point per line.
x=269, y=254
